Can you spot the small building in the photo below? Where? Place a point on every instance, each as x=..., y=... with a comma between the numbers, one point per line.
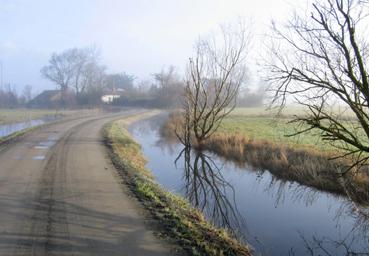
x=53, y=99
x=46, y=99
x=109, y=98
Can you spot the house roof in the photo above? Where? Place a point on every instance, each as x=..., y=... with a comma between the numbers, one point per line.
x=45, y=98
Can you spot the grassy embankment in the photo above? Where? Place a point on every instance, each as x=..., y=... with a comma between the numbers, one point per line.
x=254, y=137
x=10, y=138
x=8, y=116
x=178, y=219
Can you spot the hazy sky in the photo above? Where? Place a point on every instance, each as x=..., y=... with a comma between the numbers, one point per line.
x=138, y=37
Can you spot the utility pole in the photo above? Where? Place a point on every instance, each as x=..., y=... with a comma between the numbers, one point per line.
x=1, y=74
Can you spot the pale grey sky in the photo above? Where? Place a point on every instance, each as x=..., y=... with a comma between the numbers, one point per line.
x=138, y=37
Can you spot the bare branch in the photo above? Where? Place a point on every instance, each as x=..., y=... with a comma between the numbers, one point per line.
x=321, y=60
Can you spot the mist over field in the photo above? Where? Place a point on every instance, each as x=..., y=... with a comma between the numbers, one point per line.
x=138, y=38
x=187, y=127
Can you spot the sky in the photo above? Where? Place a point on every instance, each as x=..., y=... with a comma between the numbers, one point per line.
x=138, y=37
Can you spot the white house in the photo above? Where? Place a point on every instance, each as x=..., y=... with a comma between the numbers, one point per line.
x=109, y=98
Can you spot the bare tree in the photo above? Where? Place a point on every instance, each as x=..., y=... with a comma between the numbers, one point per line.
x=168, y=87
x=207, y=189
x=122, y=81
x=92, y=83
x=252, y=98
x=214, y=76
x=60, y=71
x=81, y=61
x=166, y=77
x=322, y=60
x=8, y=96
x=66, y=69
x=27, y=93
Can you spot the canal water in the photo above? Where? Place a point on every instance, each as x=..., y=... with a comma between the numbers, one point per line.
x=277, y=217
x=7, y=129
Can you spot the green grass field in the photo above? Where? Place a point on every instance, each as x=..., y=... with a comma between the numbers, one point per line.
x=20, y=115
x=8, y=116
x=260, y=124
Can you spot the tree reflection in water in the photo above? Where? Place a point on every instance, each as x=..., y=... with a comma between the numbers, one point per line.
x=353, y=210
x=324, y=220
x=206, y=189
x=347, y=245
x=349, y=242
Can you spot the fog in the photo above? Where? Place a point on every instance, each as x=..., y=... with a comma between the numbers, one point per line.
x=258, y=109
x=137, y=37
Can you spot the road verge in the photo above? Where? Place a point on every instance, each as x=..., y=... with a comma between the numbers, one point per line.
x=4, y=141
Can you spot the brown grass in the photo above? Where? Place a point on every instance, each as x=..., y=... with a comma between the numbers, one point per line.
x=178, y=220
x=306, y=166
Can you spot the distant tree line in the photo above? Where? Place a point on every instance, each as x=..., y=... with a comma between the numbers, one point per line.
x=164, y=91
x=10, y=98
x=83, y=80
x=252, y=98
x=78, y=72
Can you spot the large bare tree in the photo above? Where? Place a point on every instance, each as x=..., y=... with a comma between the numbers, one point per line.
x=92, y=84
x=320, y=61
x=82, y=60
x=214, y=77
x=60, y=71
x=67, y=68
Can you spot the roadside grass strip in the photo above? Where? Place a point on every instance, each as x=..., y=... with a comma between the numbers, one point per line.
x=177, y=219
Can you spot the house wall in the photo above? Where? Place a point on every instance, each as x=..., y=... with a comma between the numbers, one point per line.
x=109, y=98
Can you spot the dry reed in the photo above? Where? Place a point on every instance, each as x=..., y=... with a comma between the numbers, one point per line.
x=306, y=166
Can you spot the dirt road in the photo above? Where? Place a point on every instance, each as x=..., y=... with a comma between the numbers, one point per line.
x=60, y=195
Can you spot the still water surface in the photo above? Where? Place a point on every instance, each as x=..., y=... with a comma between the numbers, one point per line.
x=277, y=217
x=7, y=129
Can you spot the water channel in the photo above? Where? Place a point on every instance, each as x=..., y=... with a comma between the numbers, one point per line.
x=277, y=217
x=7, y=129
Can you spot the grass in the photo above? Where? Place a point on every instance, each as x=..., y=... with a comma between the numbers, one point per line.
x=178, y=220
x=8, y=116
x=260, y=142
x=21, y=115
x=287, y=112
x=265, y=112
x=306, y=166
x=10, y=138
x=271, y=130
x=263, y=125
